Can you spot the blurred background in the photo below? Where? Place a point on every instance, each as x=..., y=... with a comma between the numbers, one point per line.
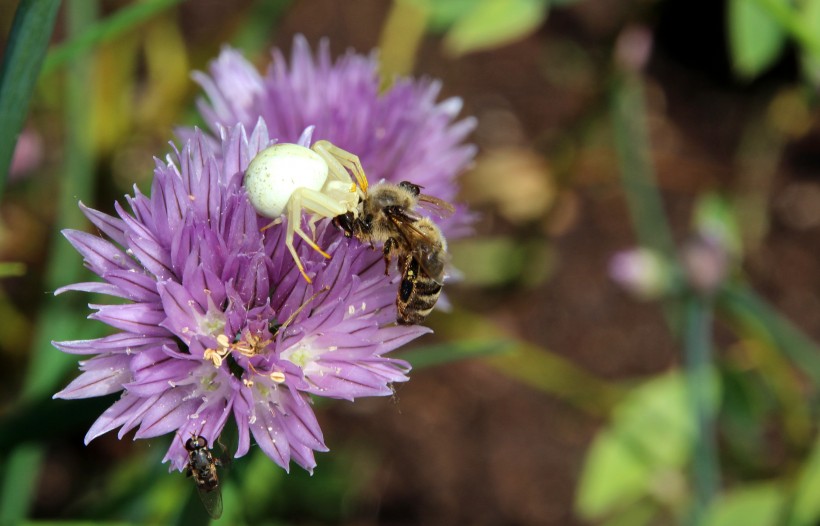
x=633, y=341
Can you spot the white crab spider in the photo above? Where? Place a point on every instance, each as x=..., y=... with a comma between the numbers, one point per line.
x=285, y=179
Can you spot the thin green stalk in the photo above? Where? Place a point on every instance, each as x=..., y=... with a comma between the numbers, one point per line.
x=700, y=385
x=25, y=49
x=628, y=114
x=637, y=175
x=755, y=317
x=47, y=365
x=261, y=23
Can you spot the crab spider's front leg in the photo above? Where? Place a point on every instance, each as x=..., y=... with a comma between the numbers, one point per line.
x=339, y=161
x=316, y=203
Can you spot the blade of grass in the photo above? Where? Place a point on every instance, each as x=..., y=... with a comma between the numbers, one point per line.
x=400, y=39
x=46, y=366
x=756, y=318
x=643, y=199
x=628, y=113
x=443, y=353
x=126, y=19
x=26, y=47
x=697, y=336
x=260, y=25
x=58, y=319
x=12, y=269
x=531, y=365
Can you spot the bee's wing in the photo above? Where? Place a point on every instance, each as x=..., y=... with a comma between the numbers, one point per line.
x=419, y=243
x=438, y=206
x=212, y=500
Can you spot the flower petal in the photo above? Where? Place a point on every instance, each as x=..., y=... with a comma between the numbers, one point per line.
x=114, y=416
x=100, y=255
x=103, y=375
x=167, y=414
x=138, y=318
x=122, y=342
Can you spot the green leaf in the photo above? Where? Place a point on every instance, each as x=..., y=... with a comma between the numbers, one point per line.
x=805, y=509
x=26, y=47
x=756, y=39
x=22, y=469
x=494, y=23
x=809, y=56
x=642, y=453
x=760, y=505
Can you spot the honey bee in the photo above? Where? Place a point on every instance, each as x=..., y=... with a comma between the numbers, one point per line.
x=388, y=216
x=202, y=467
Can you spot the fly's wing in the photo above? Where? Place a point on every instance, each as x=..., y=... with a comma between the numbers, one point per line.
x=212, y=500
x=435, y=205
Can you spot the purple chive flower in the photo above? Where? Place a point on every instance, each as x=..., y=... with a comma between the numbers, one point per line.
x=199, y=336
x=402, y=134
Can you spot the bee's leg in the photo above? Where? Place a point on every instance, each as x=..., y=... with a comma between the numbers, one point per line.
x=339, y=161
x=389, y=245
x=189, y=471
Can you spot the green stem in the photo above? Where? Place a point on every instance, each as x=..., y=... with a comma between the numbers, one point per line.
x=637, y=175
x=700, y=388
x=628, y=114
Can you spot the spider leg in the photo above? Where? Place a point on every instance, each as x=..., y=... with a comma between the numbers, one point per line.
x=295, y=213
x=320, y=206
x=339, y=161
x=275, y=222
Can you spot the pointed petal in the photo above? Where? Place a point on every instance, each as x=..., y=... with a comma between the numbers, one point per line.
x=168, y=413
x=99, y=255
x=271, y=438
x=138, y=318
x=109, y=225
x=136, y=286
x=103, y=375
x=95, y=287
x=122, y=342
x=114, y=416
